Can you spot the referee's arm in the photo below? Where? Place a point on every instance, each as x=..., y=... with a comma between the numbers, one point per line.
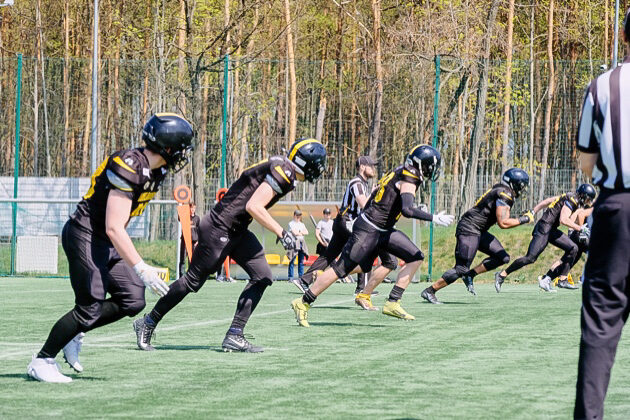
x=588, y=133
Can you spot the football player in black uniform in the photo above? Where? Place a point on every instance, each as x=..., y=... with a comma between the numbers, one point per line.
x=558, y=211
x=223, y=232
x=102, y=259
x=374, y=234
x=472, y=232
x=354, y=200
x=579, y=238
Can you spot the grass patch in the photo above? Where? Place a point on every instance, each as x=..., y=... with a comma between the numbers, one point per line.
x=510, y=355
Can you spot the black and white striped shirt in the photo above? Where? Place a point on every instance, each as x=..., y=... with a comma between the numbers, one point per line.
x=349, y=206
x=605, y=127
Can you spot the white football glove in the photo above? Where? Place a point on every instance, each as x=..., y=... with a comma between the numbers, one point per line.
x=585, y=231
x=442, y=219
x=150, y=278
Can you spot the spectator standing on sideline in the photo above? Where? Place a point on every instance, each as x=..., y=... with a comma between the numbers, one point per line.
x=194, y=225
x=324, y=232
x=297, y=228
x=604, y=143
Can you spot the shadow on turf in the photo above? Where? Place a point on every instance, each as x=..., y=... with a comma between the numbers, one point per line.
x=184, y=347
x=28, y=378
x=346, y=324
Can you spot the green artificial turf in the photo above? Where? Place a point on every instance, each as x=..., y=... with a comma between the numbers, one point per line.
x=505, y=356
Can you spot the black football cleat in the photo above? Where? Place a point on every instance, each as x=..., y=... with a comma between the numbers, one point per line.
x=468, y=281
x=300, y=284
x=144, y=333
x=429, y=296
x=237, y=342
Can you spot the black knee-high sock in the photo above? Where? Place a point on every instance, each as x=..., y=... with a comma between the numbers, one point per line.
x=176, y=293
x=61, y=333
x=247, y=302
x=110, y=312
x=396, y=294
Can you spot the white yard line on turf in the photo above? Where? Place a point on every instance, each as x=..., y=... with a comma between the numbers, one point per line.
x=107, y=338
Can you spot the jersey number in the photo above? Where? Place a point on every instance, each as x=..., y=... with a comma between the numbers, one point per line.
x=143, y=200
x=381, y=184
x=96, y=173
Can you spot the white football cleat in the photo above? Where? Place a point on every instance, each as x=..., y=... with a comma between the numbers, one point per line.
x=71, y=352
x=545, y=284
x=46, y=370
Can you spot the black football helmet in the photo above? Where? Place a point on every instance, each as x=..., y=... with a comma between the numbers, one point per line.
x=169, y=135
x=517, y=179
x=586, y=195
x=426, y=159
x=309, y=156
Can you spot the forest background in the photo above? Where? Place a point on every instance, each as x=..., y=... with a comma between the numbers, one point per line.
x=357, y=74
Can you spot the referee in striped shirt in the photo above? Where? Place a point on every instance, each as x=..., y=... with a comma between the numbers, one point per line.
x=604, y=142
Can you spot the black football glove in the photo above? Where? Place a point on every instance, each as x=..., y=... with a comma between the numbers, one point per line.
x=526, y=218
x=288, y=240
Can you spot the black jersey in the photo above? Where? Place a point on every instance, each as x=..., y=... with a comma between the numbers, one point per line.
x=484, y=213
x=551, y=216
x=230, y=212
x=385, y=204
x=350, y=208
x=127, y=171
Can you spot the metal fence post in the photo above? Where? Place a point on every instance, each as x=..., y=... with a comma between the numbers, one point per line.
x=436, y=103
x=226, y=63
x=16, y=164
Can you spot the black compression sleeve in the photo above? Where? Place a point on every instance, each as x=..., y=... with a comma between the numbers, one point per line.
x=408, y=210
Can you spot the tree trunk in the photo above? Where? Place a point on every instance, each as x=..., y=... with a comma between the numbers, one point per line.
x=480, y=109
x=86, y=131
x=606, y=23
x=548, y=108
x=532, y=99
x=36, y=98
x=321, y=115
x=292, y=77
x=508, y=88
x=375, y=127
x=70, y=155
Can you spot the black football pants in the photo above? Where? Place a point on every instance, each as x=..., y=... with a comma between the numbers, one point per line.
x=605, y=301
x=214, y=246
x=341, y=234
x=466, y=249
x=540, y=240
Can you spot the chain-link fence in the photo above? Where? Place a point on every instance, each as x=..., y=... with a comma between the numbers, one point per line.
x=336, y=102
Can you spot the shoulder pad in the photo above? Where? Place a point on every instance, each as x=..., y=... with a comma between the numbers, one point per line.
x=411, y=175
x=281, y=175
x=129, y=166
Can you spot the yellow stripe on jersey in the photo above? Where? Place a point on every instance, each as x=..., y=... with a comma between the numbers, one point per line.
x=255, y=164
x=300, y=144
x=407, y=173
x=554, y=202
x=143, y=200
x=96, y=173
x=123, y=165
x=481, y=198
x=505, y=195
x=381, y=184
x=279, y=170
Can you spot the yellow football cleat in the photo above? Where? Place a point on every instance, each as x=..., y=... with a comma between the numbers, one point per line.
x=570, y=279
x=301, y=311
x=365, y=301
x=394, y=309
